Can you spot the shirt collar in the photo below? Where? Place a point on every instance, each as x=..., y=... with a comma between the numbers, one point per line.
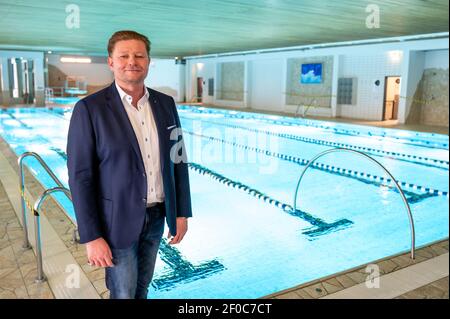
x=123, y=94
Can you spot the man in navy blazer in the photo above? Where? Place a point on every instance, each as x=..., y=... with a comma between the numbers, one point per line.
x=127, y=170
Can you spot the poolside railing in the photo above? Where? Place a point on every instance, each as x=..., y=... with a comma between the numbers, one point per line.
x=339, y=149
x=36, y=207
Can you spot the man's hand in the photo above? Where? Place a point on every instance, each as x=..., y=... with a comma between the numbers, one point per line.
x=182, y=227
x=98, y=253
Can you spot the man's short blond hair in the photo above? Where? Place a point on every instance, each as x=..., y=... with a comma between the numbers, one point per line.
x=127, y=35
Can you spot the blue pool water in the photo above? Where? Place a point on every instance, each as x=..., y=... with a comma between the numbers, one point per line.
x=64, y=100
x=245, y=240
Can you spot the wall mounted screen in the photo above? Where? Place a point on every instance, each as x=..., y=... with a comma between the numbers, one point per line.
x=311, y=73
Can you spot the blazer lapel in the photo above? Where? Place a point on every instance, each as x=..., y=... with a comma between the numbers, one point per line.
x=121, y=116
x=158, y=116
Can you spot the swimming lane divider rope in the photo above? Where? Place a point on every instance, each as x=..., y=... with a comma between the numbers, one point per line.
x=307, y=123
x=336, y=144
x=329, y=168
x=336, y=170
x=410, y=158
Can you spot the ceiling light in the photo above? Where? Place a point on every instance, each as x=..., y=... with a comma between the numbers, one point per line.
x=75, y=60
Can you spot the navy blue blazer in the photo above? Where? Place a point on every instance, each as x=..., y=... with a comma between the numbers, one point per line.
x=107, y=177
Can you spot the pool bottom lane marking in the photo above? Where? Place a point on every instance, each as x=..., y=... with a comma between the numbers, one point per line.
x=319, y=227
x=182, y=271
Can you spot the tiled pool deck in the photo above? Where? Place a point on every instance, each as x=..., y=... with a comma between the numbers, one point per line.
x=18, y=266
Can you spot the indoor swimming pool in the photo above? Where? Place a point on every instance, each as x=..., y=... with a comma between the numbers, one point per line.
x=245, y=239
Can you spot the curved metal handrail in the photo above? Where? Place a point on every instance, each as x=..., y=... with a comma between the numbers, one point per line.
x=26, y=244
x=339, y=149
x=37, y=228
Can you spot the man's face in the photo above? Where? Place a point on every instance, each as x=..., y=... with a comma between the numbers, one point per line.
x=129, y=61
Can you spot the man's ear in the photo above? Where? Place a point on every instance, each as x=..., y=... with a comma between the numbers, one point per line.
x=110, y=63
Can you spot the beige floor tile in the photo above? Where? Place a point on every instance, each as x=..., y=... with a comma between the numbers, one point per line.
x=316, y=291
x=40, y=291
x=6, y=294
x=442, y=284
x=289, y=295
x=12, y=280
x=21, y=293
x=409, y=279
x=96, y=274
x=330, y=288
x=105, y=295
x=387, y=266
x=7, y=258
x=6, y=271
x=100, y=286
x=345, y=281
x=358, y=277
x=303, y=294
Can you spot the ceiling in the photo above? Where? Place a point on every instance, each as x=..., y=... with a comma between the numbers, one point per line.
x=188, y=27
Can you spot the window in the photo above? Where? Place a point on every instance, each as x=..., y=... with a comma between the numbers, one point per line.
x=211, y=87
x=346, y=93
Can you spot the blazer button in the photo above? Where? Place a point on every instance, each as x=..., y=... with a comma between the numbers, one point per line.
x=143, y=174
x=144, y=200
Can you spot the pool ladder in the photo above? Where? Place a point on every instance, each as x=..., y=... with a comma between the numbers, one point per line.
x=37, y=227
x=339, y=149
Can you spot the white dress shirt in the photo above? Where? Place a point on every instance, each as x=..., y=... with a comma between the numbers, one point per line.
x=144, y=127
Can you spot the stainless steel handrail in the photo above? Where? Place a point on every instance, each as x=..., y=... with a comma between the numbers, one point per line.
x=37, y=228
x=339, y=149
x=26, y=244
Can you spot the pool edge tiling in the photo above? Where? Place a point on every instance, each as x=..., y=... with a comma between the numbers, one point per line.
x=341, y=281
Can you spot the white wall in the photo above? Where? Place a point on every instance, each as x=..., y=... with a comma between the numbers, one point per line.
x=437, y=59
x=266, y=72
x=265, y=86
x=369, y=68
x=412, y=74
x=96, y=73
x=167, y=77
